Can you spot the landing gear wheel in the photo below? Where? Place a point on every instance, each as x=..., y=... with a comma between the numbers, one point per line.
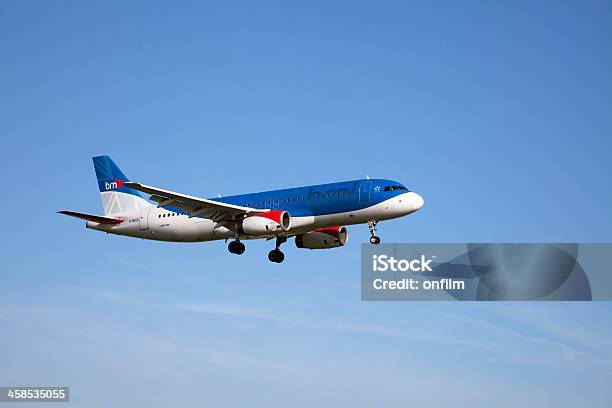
x=374, y=240
x=236, y=247
x=276, y=255
x=240, y=249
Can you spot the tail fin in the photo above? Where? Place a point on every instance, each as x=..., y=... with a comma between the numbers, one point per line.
x=116, y=198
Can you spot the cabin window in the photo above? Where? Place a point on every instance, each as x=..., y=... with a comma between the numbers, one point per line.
x=393, y=188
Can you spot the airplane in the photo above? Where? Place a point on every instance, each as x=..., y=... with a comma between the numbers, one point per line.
x=315, y=215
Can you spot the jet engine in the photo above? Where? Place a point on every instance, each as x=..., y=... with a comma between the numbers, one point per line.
x=264, y=223
x=322, y=238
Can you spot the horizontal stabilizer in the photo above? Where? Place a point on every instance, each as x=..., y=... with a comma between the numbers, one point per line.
x=90, y=217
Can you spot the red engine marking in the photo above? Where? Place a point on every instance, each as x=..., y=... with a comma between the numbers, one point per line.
x=271, y=215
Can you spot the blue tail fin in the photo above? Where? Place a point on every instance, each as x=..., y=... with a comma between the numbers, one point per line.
x=115, y=196
x=110, y=177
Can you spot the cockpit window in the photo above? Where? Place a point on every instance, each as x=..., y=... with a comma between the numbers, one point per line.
x=393, y=188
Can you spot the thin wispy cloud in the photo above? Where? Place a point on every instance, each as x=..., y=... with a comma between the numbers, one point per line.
x=553, y=351
x=555, y=322
x=563, y=350
x=326, y=324
x=133, y=265
x=229, y=310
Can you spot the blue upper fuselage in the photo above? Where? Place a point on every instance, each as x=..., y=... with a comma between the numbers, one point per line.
x=321, y=199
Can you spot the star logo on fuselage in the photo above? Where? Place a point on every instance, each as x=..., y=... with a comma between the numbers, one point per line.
x=377, y=189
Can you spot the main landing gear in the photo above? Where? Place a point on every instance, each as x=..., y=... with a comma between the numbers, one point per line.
x=276, y=255
x=374, y=239
x=236, y=247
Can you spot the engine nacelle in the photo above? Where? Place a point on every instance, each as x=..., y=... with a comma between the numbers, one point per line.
x=322, y=238
x=264, y=223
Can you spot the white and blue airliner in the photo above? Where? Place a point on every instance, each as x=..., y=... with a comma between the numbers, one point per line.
x=315, y=215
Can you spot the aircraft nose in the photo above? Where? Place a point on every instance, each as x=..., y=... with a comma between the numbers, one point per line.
x=412, y=201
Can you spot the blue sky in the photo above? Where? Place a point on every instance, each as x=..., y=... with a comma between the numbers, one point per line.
x=498, y=113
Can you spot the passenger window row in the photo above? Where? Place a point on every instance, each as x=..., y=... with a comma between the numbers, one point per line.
x=172, y=214
x=261, y=204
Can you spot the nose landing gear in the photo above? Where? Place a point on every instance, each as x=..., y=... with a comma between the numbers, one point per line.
x=276, y=255
x=374, y=239
x=236, y=247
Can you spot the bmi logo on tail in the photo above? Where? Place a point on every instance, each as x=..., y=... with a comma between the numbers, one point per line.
x=113, y=185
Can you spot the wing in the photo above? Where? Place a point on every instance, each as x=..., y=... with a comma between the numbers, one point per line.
x=198, y=207
x=90, y=217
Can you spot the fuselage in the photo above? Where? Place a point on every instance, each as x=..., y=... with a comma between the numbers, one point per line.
x=310, y=207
